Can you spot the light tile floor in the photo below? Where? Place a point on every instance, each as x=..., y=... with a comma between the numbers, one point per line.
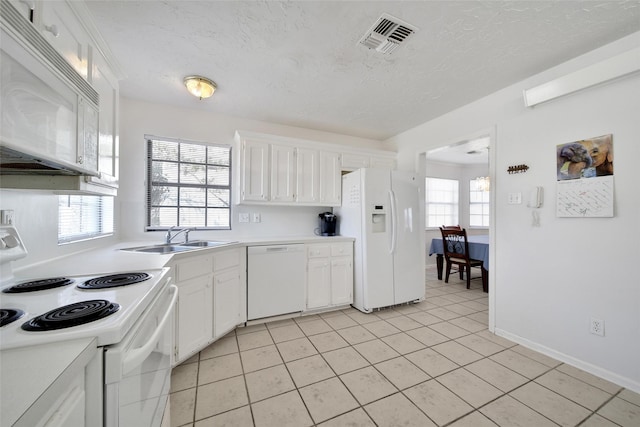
x=427, y=364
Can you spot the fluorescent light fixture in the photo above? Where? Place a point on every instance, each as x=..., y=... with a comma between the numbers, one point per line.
x=601, y=72
x=200, y=87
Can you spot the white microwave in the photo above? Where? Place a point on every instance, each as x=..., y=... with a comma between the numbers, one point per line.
x=49, y=113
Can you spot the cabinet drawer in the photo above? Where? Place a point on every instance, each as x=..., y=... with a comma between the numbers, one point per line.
x=197, y=266
x=341, y=249
x=226, y=259
x=318, y=251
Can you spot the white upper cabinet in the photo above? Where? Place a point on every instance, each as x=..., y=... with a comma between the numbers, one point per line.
x=283, y=178
x=331, y=183
x=307, y=175
x=353, y=161
x=287, y=171
x=254, y=171
x=72, y=93
x=62, y=29
x=105, y=83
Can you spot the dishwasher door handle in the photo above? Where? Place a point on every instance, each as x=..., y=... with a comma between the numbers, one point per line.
x=278, y=249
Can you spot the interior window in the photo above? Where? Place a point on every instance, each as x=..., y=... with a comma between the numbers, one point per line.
x=441, y=198
x=479, y=202
x=84, y=217
x=188, y=184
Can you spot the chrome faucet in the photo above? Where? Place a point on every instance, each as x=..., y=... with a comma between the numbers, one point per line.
x=168, y=238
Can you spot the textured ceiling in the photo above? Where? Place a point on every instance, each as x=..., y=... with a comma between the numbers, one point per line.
x=298, y=63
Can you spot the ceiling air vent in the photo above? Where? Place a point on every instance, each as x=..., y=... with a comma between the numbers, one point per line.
x=387, y=34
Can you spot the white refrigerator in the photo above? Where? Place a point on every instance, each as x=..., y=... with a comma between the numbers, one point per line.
x=384, y=211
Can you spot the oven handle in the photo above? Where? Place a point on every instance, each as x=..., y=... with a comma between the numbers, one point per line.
x=134, y=358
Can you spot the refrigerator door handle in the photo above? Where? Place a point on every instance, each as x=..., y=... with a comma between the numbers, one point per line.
x=394, y=221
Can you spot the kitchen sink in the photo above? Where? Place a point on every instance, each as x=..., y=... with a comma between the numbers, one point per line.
x=159, y=249
x=204, y=243
x=178, y=247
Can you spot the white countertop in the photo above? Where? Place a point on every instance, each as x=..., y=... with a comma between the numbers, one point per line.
x=26, y=373
x=111, y=259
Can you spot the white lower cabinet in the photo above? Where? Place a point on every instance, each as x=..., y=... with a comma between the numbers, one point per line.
x=229, y=291
x=211, y=297
x=226, y=300
x=329, y=275
x=342, y=280
x=195, y=315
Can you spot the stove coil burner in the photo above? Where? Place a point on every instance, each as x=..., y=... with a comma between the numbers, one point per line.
x=8, y=315
x=114, y=280
x=72, y=315
x=39, y=285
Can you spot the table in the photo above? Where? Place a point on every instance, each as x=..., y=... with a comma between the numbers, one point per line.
x=478, y=249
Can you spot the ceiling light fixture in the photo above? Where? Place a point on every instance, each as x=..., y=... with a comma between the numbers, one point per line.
x=200, y=87
x=483, y=183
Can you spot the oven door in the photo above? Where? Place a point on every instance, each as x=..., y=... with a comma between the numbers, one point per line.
x=138, y=369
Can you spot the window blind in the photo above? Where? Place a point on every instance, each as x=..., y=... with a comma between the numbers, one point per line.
x=84, y=217
x=188, y=184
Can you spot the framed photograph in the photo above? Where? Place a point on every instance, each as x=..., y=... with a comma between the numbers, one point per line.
x=588, y=158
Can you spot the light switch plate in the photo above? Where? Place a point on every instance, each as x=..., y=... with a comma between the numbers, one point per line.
x=255, y=217
x=243, y=217
x=515, y=198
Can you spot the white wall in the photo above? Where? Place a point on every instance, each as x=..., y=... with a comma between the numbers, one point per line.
x=548, y=281
x=36, y=218
x=138, y=118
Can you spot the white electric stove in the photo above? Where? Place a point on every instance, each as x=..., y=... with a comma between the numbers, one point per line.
x=129, y=313
x=42, y=310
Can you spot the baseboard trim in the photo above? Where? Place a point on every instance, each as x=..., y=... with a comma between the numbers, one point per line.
x=570, y=360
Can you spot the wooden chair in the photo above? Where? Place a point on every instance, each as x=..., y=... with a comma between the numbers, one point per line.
x=456, y=249
x=452, y=227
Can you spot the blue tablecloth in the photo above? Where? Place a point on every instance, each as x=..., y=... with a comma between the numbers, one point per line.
x=478, y=248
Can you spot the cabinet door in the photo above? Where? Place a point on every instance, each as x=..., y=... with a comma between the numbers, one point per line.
x=255, y=171
x=87, y=135
x=106, y=84
x=330, y=179
x=226, y=302
x=341, y=280
x=282, y=173
x=62, y=29
x=307, y=176
x=195, y=315
x=318, y=283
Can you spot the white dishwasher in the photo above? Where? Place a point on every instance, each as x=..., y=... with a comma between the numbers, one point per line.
x=275, y=280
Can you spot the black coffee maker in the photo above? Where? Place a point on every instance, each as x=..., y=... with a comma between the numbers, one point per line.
x=328, y=222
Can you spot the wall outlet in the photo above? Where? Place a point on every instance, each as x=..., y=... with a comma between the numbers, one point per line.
x=243, y=217
x=255, y=217
x=597, y=327
x=7, y=217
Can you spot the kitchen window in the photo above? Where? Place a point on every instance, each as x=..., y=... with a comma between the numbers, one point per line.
x=188, y=184
x=84, y=217
x=441, y=198
x=479, y=202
